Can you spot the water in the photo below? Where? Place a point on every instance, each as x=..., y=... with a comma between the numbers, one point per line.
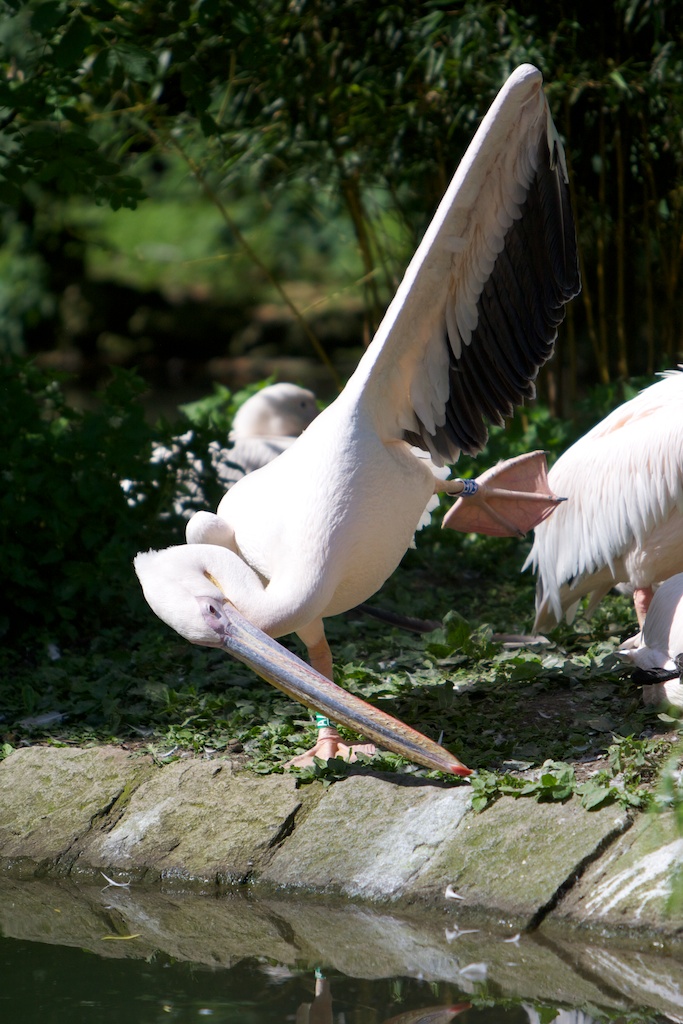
x=54, y=984
x=79, y=953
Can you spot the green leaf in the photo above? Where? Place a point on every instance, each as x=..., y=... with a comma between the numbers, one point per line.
x=41, y=139
x=72, y=46
x=48, y=16
x=10, y=195
x=102, y=10
x=594, y=795
x=74, y=116
x=136, y=63
x=619, y=80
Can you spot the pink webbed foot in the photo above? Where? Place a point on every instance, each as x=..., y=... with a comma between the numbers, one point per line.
x=508, y=500
x=330, y=745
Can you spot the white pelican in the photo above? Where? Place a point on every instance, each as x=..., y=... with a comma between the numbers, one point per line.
x=657, y=651
x=320, y=528
x=624, y=523
x=263, y=427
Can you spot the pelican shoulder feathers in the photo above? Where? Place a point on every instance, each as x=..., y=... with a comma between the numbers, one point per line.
x=624, y=522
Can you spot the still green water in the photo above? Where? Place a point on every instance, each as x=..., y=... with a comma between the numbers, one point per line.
x=75, y=954
x=44, y=984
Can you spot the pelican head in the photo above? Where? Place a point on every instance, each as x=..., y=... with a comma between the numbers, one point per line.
x=186, y=587
x=277, y=410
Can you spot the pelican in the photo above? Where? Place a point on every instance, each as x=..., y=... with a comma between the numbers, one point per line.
x=264, y=426
x=319, y=529
x=624, y=523
x=657, y=650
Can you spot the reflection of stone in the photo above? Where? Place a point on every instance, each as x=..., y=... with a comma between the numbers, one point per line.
x=350, y=940
x=646, y=978
x=563, y=1016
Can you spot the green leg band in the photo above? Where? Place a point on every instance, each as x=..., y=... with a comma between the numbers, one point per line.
x=321, y=722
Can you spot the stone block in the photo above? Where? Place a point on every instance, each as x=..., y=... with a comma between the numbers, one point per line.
x=369, y=838
x=637, y=883
x=194, y=824
x=518, y=855
x=50, y=797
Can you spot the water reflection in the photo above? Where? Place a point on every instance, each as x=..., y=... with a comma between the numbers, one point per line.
x=79, y=953
x=45, y=984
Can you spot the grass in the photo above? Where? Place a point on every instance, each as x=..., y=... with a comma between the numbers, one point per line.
x=503, y=710
x=179, y=242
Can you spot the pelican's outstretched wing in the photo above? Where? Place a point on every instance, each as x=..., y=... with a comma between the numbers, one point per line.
x=477, y=312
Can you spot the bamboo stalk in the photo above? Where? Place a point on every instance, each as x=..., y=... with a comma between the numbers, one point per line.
x=600, y=250
x=619, y=240
x=649, y=289
x=586, y=296
x=354, y=205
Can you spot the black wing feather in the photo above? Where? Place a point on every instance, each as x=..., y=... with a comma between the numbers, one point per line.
x=519, y=311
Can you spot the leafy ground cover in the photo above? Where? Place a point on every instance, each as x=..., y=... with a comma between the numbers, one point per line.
x=542, y=719
x=505, y=709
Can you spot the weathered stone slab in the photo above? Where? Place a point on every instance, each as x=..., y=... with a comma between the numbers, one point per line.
x=518, y=855
x=194, y=824
x=369, y=838
x=637, y=883
x=50, y=796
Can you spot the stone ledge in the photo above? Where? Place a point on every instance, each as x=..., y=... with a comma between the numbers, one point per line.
x=197, y=825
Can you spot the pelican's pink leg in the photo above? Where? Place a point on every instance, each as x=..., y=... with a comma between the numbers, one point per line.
x=641, y=602
x=329, y=743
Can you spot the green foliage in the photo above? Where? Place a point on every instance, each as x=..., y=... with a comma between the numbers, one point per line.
x=55, y=90
x=82, y=496
x=632, y=763
x=554, y=782
x=25, y=298
x=67, y=528
x=367, y=107
x=215, y=412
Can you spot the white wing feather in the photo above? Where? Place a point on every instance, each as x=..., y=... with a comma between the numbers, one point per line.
x=623, y=481
x=474, y=284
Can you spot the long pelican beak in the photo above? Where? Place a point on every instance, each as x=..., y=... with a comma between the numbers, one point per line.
x=278, y=666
